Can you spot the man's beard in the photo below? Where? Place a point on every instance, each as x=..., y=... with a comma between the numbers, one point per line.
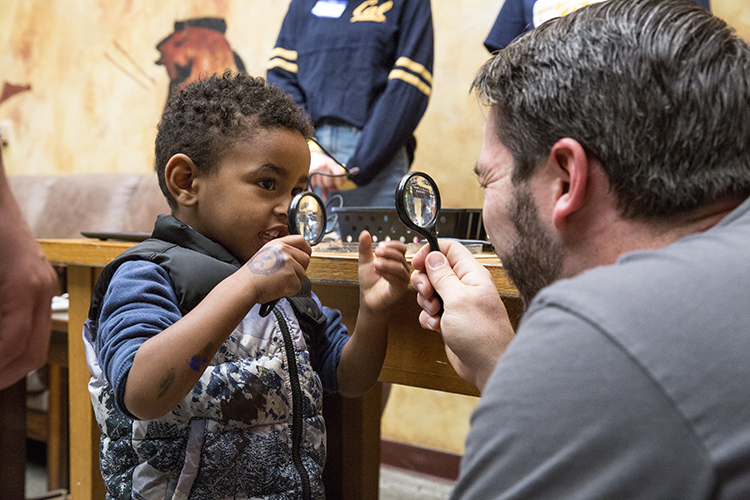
x=535, y=260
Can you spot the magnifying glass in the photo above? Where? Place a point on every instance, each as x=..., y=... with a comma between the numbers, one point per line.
x=418, y=207
x=306, y=217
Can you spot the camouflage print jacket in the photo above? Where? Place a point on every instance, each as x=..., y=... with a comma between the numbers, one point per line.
x=252, y=427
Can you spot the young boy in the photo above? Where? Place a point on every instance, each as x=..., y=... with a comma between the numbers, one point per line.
x=197, y=395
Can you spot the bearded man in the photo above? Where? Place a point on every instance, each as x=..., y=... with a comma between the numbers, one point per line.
x=616, y=172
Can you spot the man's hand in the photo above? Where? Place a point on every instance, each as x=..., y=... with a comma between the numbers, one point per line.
x=321, y=163
x=474, y=324
x=27, y=284
x=279, y=268
x=383, y=275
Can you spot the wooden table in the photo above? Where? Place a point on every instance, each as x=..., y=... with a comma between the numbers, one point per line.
x=415, y=357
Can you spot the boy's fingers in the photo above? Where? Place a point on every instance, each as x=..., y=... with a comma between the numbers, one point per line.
x=365, y=248
x=396, y=266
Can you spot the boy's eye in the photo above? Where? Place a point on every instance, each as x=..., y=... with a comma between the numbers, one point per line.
x=297, y=191
x=268, y=184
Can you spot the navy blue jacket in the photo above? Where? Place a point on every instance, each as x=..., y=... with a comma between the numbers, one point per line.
x=517, y=16
x=370, y=67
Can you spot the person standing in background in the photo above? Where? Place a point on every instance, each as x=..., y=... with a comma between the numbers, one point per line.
x=363, y=71
x=518, y=16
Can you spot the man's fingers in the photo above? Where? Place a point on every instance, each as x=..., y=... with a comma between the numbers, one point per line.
x=421, y=283
x=442, y=277
x=429, y=322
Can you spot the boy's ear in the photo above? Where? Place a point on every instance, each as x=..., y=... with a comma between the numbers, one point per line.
x=572, y=164
x=180, y=175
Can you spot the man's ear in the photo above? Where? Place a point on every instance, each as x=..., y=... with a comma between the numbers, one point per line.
x=180, y=175
x=573, y=167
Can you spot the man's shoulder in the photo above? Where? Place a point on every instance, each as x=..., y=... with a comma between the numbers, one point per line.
x=662, y=332
x=668, y=310
x=703, y=266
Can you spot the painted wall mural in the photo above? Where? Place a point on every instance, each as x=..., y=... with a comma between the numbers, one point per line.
x=84, y=82
x=196, y=48
x=9, y=90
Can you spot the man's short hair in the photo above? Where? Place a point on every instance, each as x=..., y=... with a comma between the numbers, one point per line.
x=657, y=90
x=210, y=116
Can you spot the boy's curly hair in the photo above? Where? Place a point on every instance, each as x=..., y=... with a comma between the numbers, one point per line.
x=209, y=116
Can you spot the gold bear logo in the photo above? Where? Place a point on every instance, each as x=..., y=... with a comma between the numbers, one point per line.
x=371, y=11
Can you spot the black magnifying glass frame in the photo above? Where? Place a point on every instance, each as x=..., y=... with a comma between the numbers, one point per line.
x=295, y=213
x=295, y=224
x=404, y=195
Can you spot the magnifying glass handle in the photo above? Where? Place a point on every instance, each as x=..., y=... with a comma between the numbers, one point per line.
x=440, y=312
x=434, y=247
x=267, y=308
x=432, y=240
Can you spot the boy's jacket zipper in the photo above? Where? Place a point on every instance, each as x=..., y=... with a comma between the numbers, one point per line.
x=296, y=406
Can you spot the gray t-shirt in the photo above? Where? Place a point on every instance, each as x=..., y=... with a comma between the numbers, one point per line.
x=627, y=381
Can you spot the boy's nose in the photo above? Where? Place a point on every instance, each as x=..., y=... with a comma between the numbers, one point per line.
x=282, y=207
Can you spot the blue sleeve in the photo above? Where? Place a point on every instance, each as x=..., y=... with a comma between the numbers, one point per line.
x=332, y=337
x=510, y=23
x=139, y=304
x=404, y=100
x=282, y=66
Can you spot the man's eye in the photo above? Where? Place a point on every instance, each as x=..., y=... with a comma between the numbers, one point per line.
x=268, y=184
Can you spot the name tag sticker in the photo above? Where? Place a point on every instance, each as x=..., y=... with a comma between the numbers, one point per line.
x=331, y=9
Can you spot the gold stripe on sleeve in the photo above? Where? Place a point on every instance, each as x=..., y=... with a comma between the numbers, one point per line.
x=409, y=78
x=277, y=62
x=415, y=67
x=289, y=55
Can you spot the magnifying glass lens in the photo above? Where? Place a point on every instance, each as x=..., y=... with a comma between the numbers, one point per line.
x=306, y=217
x=421, y=203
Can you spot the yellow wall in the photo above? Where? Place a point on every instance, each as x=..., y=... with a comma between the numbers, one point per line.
x=96, y=96
x=96, y=93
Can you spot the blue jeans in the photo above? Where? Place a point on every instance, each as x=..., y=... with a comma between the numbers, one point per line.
x=341, y=140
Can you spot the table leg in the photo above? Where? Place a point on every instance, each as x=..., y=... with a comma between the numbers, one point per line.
x=353, y=426
x=57, y=443
x=85, y=477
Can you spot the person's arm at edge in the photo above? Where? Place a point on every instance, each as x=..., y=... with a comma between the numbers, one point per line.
x=508, y=25
x=282, y=68
x=27, y=284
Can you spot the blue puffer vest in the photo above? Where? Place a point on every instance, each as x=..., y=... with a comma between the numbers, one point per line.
x=252, y=427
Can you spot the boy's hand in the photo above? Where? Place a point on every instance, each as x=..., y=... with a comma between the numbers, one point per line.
x=383, y=275
x=279, y=268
